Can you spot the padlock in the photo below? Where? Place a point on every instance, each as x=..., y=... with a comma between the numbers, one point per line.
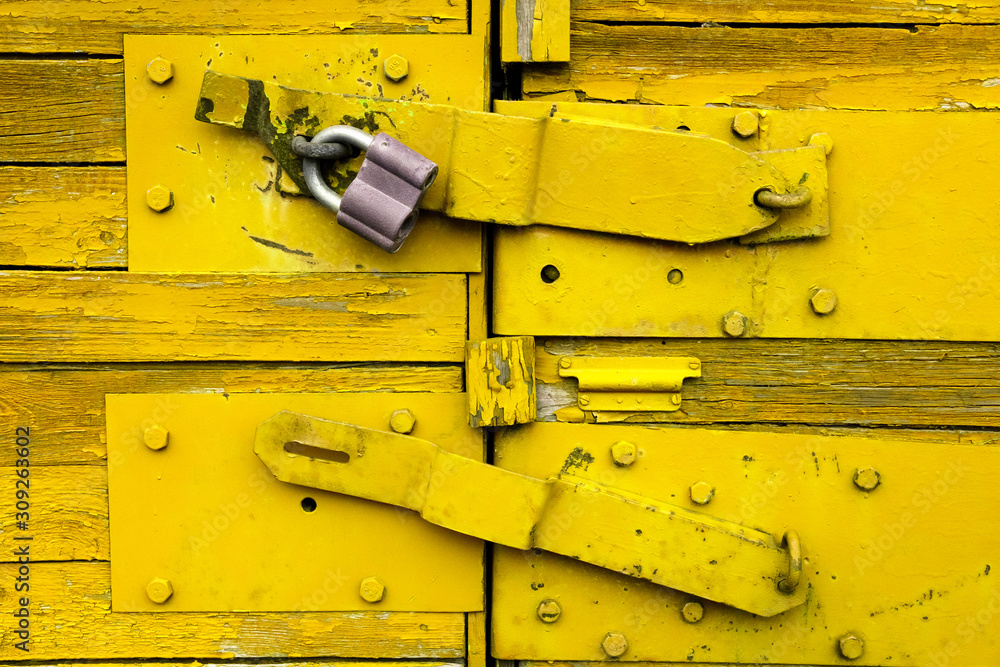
x=381, y=203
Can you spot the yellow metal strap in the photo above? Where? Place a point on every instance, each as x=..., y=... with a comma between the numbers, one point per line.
x=636, y=535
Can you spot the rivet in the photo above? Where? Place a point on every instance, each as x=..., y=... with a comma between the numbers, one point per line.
x=160, y=70
x=159, y=198
x=614, y=644
x=734, y=324
x=675, y=399
x=692, y=612
x=396, y=67
x=372, y=589
x=565, y=362
x=623, y=453
x=549, y=611
x=156, y=437
x=851, y=646
x=822, y=139
x=159, y=590
x=694, y=365
x=583, y=399
x=745, y=124
x=823, y=301
x=867, y=479
x=701, y=493
x=402, y=421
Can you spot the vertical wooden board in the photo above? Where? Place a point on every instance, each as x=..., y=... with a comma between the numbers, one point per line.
x=500, y=377
x=63, y=217
x=534, y=31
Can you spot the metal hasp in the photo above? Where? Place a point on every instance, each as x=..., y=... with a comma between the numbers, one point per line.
x=629, y=384
x=561, y=170
x=636, y=535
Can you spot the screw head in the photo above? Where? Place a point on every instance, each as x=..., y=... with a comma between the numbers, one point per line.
x=692, y=612
x=160, y=70
x=159, y=590
x=159, y=198
x=372, y=589
x=396, y=67
x=583, y=399
x=402, y=421
x=851, y=646
x=156, y=437
x=823, y=301
x=822, y=139
x=745, y=124
x=867, y=479
x=614, y=644
x=701, y=493
x=549, y=611
x=734, y=323
x=623, y=453
x=565, y=362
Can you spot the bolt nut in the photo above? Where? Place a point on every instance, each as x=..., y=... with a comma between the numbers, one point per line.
x=867, y=479
x=549, y=611
x=822, y=139
x=734, y=323
x=692, y=612
x=623, y=453
x=745, y=124
x=159, y=590
x=701, y=492
x=160, y=70
x=372, y=589
x=159, y=198
x=402, y=421
x=851, y=646
x=614, y=644
x=156, y=437
x=823, y=301
x=396, y=67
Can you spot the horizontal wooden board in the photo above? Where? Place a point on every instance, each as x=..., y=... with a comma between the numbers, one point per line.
x=61, y=110
x=117, y=316
x=66, y=26
x=69, y=607
x=63, y=407
x=63, y=217
x=269, y=663
x=865, y=383
x=786, y=11
x=945, y=67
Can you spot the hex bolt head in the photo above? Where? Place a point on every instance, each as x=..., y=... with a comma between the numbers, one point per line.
x=692, y=612
x=745, y=124
x=734, y=324
x=156, y=437
x=396, y=67
x=159, y=590
x=614, y=644
x=623, y=453
x=159, y=198
x=701, y=493
x=867, y=479
x=549, y=611
x=160, y=70
x=402, y=421
x=372, y=589
x=822, y=139
x=851, y=646
x=823, y=301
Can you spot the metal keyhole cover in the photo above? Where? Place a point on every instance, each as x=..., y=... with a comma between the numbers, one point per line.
x=381, y=203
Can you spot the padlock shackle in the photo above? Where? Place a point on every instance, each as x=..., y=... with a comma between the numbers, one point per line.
x=341, y=134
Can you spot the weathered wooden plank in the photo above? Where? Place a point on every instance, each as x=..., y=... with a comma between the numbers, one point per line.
x=865, y=383
x=64, y=407
x=944, y=67
x=786, y=11
x=66, y=26
x=283, y=663
x=61, y=110
x=117, y=316
x=63, y=217
x=70, y=616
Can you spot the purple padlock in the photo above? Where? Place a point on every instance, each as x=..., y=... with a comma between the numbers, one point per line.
x=381, y=203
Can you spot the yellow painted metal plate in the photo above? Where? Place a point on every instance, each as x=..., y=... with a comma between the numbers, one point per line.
x=903, y=566
x=205, y=514
x=228, y=214
x=911, y=252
